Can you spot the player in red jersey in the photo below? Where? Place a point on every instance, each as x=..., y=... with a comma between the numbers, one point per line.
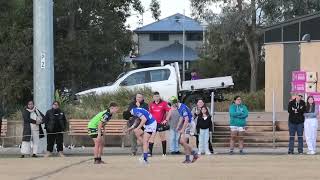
x=160, y=111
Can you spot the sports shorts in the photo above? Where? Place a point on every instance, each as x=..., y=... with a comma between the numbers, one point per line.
x=151, y=128
x=237, y=129
x=93, y=132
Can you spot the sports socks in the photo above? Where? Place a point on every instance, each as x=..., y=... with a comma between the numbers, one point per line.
x=150, y=148
x=164, y=147
x=145, y=156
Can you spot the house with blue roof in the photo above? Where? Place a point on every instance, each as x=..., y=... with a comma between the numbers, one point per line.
x=161, y=42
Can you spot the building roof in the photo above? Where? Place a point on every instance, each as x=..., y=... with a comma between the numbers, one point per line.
x=172, y=23
x=170, y=53
x=293, y=21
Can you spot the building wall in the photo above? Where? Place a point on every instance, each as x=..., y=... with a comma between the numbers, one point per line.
x=310, y=58
x=274, y=76
x=281, y=60
x=146, y=46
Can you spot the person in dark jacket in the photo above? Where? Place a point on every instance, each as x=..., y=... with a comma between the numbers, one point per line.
x=296, y=110
x=138, y=102
x=204, y=129
x=55, y=124
x=32, y=130
x=195, y=112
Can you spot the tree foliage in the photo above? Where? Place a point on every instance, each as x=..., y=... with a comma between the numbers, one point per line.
x=155, y=9
x=242, y=21
x=90, y=42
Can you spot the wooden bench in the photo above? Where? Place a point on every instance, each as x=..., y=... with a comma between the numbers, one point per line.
x=4, y=130
x=79, y=127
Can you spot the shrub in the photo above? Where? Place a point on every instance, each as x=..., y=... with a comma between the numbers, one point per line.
x=254, y=101
x=91, y=105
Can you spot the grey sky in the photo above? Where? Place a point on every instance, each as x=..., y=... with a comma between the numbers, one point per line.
x=167, y=7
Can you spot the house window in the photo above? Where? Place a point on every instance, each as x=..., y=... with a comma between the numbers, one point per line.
x=159, y=37
x=194, y=36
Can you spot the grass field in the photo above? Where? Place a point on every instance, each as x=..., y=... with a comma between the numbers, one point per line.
x=216, y=167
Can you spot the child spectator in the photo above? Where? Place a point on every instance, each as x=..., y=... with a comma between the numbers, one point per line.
x=204, y=129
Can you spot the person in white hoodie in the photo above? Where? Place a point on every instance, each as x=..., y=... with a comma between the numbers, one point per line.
x=32, y=130
x=311, y=125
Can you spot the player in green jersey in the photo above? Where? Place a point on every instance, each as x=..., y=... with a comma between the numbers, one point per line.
x=96, y=130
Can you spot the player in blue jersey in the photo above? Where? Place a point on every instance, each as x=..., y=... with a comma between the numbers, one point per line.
x=186, y=128
x=147, y=122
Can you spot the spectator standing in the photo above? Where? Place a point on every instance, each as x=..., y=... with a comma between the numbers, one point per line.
x=55, y=124
x=137, y=103
x=238, y=119
x=311, y=125
x=204, y=129
x=194, y=75
x=159, y=110
x=195, y=113
x=296, y=110
x=174, y=134
x=32, y=130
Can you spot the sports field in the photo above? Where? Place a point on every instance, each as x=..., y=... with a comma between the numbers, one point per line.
x=216, y=167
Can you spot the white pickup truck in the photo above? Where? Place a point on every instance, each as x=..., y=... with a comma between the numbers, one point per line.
x=166, y=80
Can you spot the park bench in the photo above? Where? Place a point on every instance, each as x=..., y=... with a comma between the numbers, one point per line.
x=79, y=127
x=4, y=130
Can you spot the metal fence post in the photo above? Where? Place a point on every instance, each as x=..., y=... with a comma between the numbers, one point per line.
x=212, y=117
x=273, y=120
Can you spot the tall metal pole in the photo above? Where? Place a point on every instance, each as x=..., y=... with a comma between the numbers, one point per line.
x=43, y=65
x=43, y=69
x=183, y=48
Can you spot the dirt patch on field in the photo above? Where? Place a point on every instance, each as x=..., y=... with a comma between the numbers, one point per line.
x=249, y=167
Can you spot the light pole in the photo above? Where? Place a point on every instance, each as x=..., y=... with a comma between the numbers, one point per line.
x=183, y=47
x=204, y=27
x=43, y=66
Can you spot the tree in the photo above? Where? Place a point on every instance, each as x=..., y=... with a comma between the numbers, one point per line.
x=91, y=41
x=244, y=19
x=223, y=57
x=15, y=53
x=155, y=9
x=239, y=20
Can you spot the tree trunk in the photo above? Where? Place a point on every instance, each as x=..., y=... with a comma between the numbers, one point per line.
x=253, y=54
x=71, y=27
x=251, y=41
x=239, y=5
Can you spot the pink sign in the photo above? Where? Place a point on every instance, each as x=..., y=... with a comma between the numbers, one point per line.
x=299, y=76
x=298, y=87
